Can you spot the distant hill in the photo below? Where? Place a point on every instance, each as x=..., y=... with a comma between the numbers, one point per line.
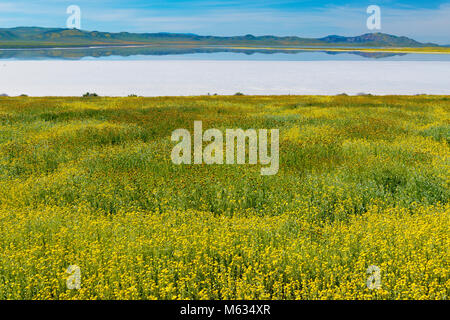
x=381, y=39
x=32, y=37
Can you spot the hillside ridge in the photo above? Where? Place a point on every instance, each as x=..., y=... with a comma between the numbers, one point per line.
x=23, y=37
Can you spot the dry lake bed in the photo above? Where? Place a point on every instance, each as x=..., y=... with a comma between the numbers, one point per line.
x=200, y=77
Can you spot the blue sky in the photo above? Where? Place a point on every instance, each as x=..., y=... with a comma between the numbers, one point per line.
x=422, y=20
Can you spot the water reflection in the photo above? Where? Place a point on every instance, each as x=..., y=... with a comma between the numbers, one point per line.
x=175, y=52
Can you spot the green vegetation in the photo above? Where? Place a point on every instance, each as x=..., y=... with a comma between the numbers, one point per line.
x=363, y=181
x=89, y=95
x=33, y=37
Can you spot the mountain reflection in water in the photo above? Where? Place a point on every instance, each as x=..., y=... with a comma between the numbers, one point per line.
x=201, y=53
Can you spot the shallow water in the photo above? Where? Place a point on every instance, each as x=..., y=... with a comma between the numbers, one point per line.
x=207, y=53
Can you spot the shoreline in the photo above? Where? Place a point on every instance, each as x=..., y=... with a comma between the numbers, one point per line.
x=399, y=50
x=424, y=50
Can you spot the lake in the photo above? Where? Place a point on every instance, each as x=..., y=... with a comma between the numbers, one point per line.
x=187, y=71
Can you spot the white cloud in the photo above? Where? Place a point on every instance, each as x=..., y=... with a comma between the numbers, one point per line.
x=423, y=25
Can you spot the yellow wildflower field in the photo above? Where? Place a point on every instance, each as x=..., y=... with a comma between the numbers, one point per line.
x=363, y=181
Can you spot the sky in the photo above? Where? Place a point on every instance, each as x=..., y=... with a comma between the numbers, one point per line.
x=427, y=21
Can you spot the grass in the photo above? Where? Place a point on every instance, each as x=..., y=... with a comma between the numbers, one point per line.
x=89, y=181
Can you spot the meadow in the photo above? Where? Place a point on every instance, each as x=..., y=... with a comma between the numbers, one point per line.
x=363, y=180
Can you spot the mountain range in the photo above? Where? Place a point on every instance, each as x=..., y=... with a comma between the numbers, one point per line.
x=36, y=37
